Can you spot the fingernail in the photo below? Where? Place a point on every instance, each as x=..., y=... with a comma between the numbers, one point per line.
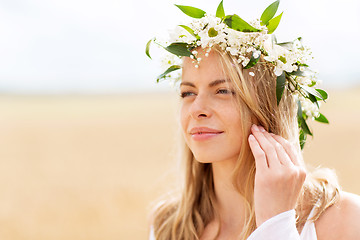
x=255, y=127
x=262, y=129
x=251, y=137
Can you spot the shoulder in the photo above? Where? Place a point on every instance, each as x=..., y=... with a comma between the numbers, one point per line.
x=340, y=221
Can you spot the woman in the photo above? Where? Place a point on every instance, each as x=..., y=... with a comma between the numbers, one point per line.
x=244, y=174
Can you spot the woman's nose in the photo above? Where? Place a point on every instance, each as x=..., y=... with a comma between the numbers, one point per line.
x=200, y=108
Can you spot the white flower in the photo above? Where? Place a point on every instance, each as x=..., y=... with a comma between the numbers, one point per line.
x=169, y=60
x=268, y=44
x=304, y=80
x=278, y=71
x=232, y=50
x=309, y=108
x=297, y=44
x=257, y=54
x=179, y=34
x=245, y=62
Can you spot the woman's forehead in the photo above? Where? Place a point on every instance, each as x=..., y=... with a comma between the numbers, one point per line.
x=209, y=69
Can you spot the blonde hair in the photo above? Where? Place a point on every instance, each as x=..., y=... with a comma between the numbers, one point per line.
x=185, y=216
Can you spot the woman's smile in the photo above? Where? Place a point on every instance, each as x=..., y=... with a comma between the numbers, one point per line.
x=204, y=133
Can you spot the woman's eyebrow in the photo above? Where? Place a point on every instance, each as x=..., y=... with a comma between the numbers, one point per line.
x=217, y=82
x=211, y=84
x=187, y=84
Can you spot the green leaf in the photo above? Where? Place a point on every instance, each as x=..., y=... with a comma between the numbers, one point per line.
x=169, y=70
x=269, y=12
x=253, y=61
x=274, y=23
x=280, y=86
x=220, y=13
x=312, y=91
x=147, y=50
x=302, y=64
x=191, y=11
x=299, y=73
x=323, y=94
x=302, y=138
x=314, y=99
x=302, y=121
x=322, y=119
x=287, y=45
x=190, y=31
x=305, y=127
x=236, y=23
x=179, y=49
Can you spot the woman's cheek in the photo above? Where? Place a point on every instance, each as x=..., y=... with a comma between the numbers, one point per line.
x=233, y=122
x=184, y=119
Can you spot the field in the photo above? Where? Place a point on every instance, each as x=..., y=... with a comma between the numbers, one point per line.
x=87, y=167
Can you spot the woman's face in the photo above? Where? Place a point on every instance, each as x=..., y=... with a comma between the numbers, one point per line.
x=210, y=118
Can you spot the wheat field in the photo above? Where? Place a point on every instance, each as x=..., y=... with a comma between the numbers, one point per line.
x=87, y=167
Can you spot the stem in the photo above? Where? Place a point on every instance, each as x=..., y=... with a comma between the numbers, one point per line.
x=295, y=84
x=158, y=44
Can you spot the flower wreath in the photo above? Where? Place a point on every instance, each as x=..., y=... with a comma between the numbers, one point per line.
x=247, y=42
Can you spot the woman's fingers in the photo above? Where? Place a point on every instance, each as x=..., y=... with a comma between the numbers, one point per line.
x=266, y=146
x=289, y=148
x=259, y=155
x=281, y=153
x=277, y=150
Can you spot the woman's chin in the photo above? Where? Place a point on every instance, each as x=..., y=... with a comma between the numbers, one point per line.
x=207, y=158
x=203, y=160
x=210, y=156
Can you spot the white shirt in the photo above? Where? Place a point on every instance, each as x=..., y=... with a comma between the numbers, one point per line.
x=308, y=232
x=279, y=227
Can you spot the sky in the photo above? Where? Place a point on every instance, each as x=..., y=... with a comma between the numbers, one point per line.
x=98, y=46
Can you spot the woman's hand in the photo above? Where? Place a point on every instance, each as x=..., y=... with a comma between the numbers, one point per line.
x=279, y=176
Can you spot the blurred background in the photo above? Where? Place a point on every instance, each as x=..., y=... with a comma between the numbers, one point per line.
x=88, y=139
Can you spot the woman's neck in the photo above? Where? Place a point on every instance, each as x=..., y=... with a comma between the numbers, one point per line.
x=231, y=205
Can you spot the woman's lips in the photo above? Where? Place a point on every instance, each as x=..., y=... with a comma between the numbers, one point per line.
x=204, y=133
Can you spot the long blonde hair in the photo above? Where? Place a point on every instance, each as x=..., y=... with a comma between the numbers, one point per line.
x=185, y=215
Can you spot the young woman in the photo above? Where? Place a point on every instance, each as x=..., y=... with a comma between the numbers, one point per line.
x=244, y=173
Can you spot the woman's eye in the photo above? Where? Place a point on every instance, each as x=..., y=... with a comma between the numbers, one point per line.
x=186, y=94
x=225, y=91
